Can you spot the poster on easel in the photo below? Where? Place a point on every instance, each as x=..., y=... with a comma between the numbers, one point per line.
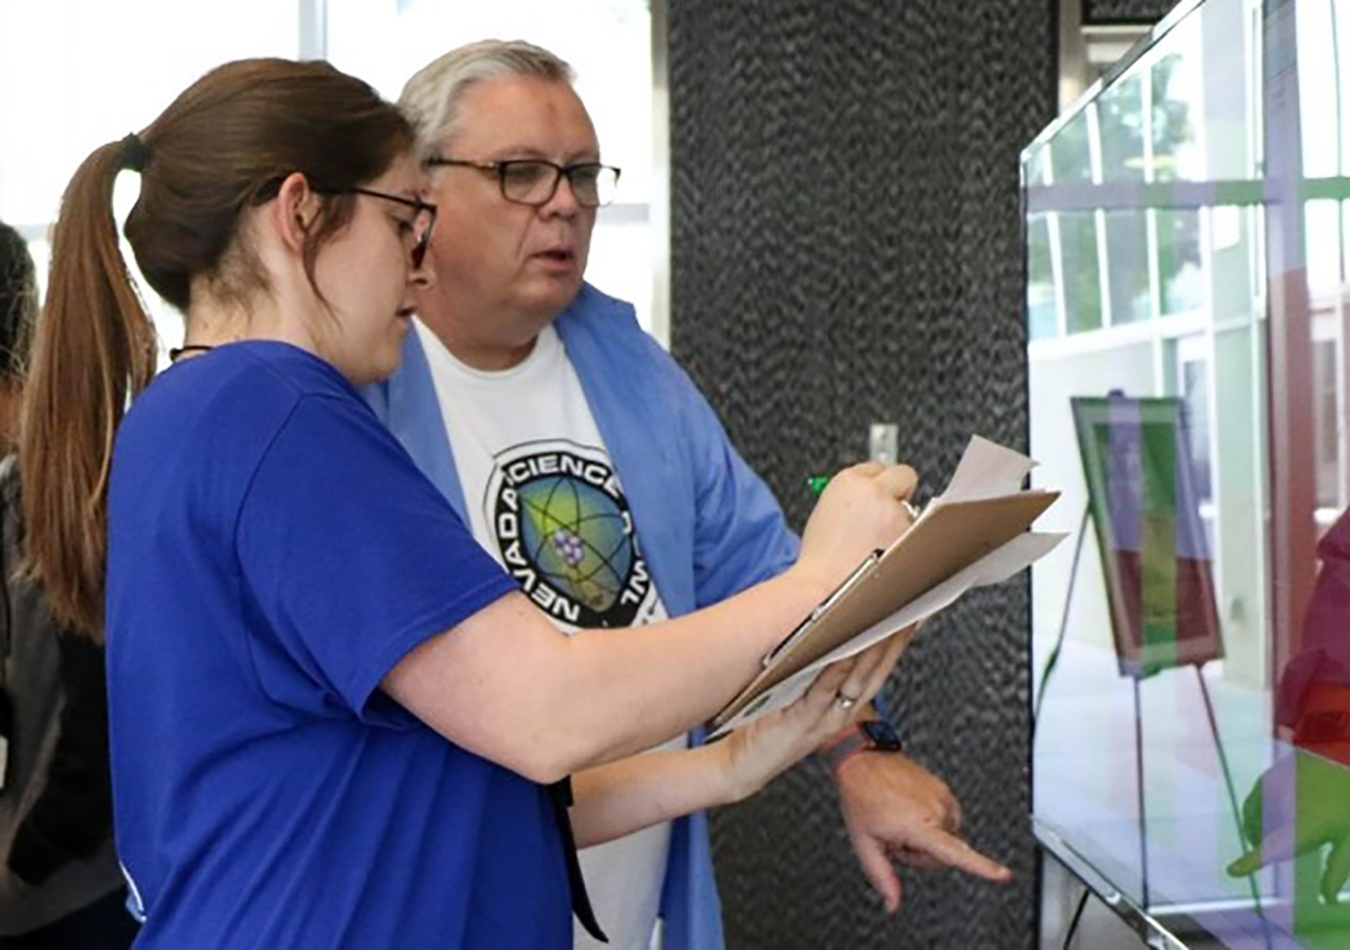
x=1145, y=509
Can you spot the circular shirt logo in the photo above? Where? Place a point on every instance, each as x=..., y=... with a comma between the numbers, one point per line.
x=565, y=532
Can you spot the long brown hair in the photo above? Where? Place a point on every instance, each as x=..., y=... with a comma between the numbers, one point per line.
x=214, y=153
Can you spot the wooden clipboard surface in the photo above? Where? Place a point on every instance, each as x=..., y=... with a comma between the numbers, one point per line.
x=950, y=537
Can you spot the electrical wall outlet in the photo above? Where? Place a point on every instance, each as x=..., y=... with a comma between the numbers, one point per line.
x=883, y=443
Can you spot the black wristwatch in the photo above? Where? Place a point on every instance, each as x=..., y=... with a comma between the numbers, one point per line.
x=874, y=735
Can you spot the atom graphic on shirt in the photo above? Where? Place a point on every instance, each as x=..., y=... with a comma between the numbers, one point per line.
x=565, y=532
x=578, y=538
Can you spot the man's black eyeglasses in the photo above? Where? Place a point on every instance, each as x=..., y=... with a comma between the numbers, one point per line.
x=533, y=181
x=421, y=226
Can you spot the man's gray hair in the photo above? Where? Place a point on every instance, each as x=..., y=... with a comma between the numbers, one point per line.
x=431, y=98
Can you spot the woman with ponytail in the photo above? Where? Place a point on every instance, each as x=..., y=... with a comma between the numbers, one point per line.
x=335, y=721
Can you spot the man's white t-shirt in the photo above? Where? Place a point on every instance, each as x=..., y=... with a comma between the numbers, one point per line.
x=544, y=500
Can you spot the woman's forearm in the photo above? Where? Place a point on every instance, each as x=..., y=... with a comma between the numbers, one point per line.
x=633, y=793
x=506, y=685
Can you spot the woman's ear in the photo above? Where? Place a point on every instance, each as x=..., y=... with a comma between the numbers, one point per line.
x=294, y=211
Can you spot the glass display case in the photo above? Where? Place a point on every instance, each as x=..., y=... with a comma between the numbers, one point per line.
x=1187, y=290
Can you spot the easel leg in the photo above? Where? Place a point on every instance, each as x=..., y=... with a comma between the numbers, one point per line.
x=1139, y=789
x=1232, y=794
x=1063, y=620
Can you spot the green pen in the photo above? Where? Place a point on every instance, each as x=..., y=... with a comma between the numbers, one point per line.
x=817, y=485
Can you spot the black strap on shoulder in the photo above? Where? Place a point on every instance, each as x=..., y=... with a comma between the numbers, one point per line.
x=560, y=795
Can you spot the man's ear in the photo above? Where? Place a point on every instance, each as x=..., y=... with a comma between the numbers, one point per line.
x=295, y=210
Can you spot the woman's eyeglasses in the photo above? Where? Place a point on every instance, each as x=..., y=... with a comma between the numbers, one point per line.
x=423, y=222
x=421, y=226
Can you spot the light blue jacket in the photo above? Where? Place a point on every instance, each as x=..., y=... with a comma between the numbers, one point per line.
x=708, y=526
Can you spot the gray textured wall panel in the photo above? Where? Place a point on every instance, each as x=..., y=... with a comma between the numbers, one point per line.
x=846, y=247
x=1125, y=11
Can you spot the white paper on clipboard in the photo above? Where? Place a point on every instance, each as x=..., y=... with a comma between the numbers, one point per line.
x=991, y=569
x=974, y=534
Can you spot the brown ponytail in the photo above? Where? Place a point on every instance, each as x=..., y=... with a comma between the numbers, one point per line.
x=208, y=158
x=93, y=351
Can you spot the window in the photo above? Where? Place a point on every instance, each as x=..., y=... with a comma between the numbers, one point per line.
x=75, y=74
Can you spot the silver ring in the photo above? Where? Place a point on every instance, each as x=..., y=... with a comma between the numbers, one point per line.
x=846, y=702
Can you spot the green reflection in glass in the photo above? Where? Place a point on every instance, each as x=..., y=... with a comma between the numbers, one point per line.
x=1231, y=283
x=1173, y=130
x=1158, y=543
x=1082, y=277
x=1126, y=250
x=1041, y=322
x=1121, y=119
x=1038, y=166
x=1069, y=151
x=1179, y=273
x=1299, y=811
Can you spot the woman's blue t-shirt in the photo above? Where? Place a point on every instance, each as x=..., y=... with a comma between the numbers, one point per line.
x=272, y=554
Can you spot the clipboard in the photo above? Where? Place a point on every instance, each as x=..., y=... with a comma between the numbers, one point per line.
x=948, y=537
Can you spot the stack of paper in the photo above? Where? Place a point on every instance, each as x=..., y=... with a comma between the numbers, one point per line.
x=973, y=534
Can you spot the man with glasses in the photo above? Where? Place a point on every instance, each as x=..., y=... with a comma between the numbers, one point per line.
x=585, y=460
